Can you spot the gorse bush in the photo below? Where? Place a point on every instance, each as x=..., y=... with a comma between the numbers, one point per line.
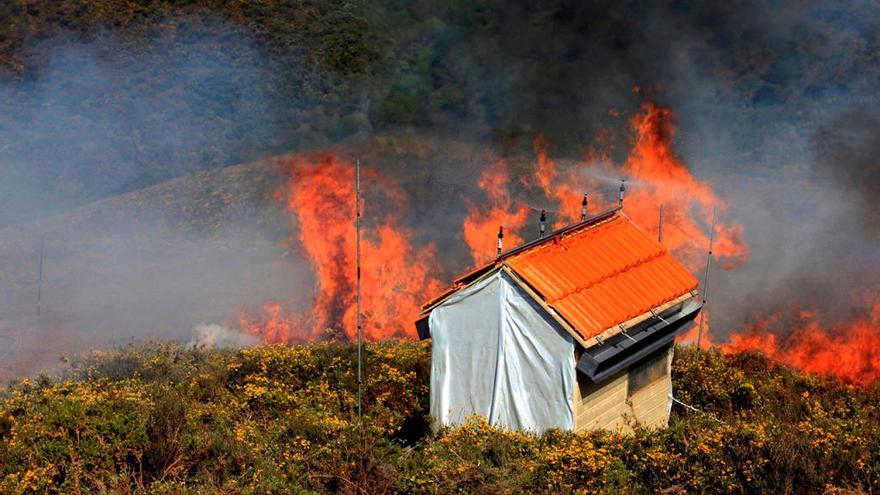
x=165, y=419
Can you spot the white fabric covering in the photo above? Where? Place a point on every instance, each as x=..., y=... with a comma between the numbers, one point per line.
x=496, y=354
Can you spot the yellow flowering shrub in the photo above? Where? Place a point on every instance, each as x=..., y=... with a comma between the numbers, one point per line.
x=162, y=419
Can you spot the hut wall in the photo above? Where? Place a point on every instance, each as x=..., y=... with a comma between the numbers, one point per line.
x=496, y=353
x=637, y=395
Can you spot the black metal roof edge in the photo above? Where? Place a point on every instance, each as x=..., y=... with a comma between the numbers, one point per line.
x=638, y=332
x=564, y=230
x=649, y=336
x=422, y=327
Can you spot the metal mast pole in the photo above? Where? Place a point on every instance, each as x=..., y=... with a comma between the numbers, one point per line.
x=706, y=280
x=40, y=278
x=660, y=226
x=360, y=372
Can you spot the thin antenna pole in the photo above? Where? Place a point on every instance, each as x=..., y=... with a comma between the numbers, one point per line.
x=40, y=278
x=543, y=224
x=500, y=240
x=706, y=280
x=660, y=226
x=360, y=338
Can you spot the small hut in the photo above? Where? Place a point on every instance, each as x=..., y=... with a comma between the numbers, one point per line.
x=573, y=331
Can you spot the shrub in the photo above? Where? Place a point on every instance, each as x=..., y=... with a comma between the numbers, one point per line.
x=164, y=419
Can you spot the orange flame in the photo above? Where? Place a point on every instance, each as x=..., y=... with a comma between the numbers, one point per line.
x=481, y=224
x=655, y=176
x=562, y=190
x=664, y=179
x=692, y=336
x=850, y=351
x=395, y=275
x=273, y=326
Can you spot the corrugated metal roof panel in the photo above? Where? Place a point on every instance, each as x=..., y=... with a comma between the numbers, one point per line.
x=603, y=274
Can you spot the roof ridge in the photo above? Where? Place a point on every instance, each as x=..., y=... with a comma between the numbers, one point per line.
x=582, y=226
x=587, y=229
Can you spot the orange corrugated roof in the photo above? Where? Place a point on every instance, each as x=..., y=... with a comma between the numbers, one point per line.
x=603, y=274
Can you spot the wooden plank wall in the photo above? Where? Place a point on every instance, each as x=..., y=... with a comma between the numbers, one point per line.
x=610, y=405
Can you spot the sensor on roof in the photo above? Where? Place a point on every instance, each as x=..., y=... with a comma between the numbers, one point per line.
x=543, y=223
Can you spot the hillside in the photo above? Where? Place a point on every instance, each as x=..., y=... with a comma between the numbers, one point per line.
x=171, y=169
x=163, y=419
x=144, y=260
x=108, y=96
x=154, y=262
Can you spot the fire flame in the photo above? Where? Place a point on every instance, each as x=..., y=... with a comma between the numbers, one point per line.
x=655, y=176
x=664, y=179
x=273, y=326
x=849, y=351
x=481, y=224
x=395, y=276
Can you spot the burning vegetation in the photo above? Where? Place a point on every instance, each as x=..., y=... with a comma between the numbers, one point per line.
x=398, y=273
x=654, y=176
x=320, y=197
x=850, y=350
x=128, y=137
x=482, y=223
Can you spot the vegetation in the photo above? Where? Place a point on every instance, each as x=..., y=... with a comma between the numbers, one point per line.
x=108, y=96
x=165, y=419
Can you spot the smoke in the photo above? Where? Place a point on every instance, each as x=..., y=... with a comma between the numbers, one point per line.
x=775, y=105
x=106, y=115
x=115, y=112
x=847, y=154
x=145, y=265
x=213, y=336
x=798, y=163
x=824, y=226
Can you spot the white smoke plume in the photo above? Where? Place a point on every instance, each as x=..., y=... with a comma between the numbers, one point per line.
x=214, y=336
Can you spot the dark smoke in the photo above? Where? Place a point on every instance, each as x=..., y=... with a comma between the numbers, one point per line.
x=755, y=89
x=841, y=261
x=848, y=153
x=776, y=104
